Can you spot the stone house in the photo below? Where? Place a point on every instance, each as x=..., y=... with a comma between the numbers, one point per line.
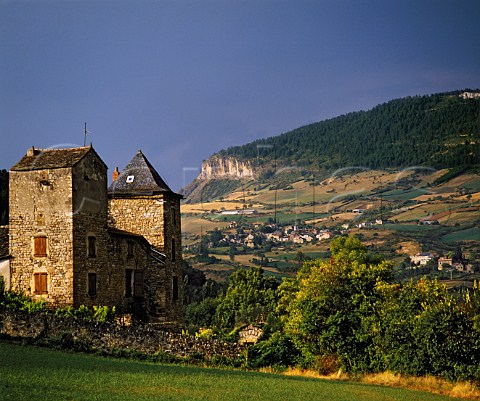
x=73, y=241
x=421, y=258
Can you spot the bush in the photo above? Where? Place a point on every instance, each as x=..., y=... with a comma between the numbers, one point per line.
x=19, y=301
x=278, y=352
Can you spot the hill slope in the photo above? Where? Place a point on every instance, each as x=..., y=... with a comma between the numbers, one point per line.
x=437, y=131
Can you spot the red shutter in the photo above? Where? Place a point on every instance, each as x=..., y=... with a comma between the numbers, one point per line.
x=40, y=283
x=40, y=246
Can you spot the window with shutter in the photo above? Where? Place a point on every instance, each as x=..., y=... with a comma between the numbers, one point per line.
x=40, y=246
x=138, y=282
x=92, y=284
x=40, y=283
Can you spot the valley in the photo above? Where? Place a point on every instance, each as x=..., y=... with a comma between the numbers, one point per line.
x=398, y=213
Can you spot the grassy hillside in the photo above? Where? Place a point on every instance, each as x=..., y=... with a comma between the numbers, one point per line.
x=30, y=373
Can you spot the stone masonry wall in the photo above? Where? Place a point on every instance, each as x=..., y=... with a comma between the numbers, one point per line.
x=142, y=215
x=89, y=220
x=41, y=204
x=157, y=218
x=147, y=339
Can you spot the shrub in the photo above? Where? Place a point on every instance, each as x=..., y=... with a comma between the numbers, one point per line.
x=278, y=351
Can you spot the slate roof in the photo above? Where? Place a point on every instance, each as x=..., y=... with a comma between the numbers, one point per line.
x=139, y=177
x=50, y=158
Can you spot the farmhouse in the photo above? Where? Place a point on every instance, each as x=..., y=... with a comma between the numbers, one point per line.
x=73, y=241
x=421, y=258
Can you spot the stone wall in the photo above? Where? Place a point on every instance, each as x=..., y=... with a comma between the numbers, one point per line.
x=157, y=218
x=41, y=205
x=147, y=339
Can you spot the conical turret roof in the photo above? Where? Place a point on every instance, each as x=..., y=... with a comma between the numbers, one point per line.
x=137, y=178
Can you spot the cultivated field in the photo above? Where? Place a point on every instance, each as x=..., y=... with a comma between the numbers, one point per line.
x=28, y=373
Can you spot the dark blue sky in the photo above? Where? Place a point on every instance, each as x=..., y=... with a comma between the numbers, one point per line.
x=183, y=79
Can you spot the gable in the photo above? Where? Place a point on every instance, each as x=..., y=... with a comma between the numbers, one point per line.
x=39, y=159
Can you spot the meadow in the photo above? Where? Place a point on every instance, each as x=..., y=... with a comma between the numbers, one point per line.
x=28, y=373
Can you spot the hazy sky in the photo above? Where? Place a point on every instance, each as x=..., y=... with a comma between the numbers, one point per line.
x=183, y=79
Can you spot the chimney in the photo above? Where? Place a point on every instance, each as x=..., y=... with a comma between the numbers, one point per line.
x=31, y=151
x=115, y=174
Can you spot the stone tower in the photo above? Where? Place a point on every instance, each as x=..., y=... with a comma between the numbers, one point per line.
x=140, y=202
x=57, y=223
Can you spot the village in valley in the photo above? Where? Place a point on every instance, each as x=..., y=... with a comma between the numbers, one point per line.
x=403, y=215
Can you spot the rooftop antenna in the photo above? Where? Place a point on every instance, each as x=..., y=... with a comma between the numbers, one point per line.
x=85, y=135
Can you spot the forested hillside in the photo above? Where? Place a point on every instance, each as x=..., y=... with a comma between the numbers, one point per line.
x=439, y=131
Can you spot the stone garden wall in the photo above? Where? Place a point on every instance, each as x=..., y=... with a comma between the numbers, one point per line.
x=93, y=336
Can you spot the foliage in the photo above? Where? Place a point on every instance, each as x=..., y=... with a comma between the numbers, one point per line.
x=19, y=301
x=100, y=314
x=278, y=352
x=441, y=128
x=330, y=301
x=347, y=312
x=250, y=297
x=205, y=333
x=202, y=313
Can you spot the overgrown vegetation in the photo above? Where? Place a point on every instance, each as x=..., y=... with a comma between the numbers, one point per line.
x=19, y=301
x=345, y=313
x=348, y=313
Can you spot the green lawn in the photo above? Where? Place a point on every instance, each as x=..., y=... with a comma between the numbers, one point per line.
x=28, y=373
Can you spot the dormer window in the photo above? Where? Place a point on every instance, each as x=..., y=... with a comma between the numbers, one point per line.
x=130, y=178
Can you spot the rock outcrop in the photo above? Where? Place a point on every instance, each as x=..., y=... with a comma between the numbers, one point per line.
x=226, y=167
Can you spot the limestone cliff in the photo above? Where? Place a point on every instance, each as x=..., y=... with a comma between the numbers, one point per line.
x=226, y=167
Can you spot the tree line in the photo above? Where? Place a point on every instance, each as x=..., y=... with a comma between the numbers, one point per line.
x=347, y=312
x=437, y=130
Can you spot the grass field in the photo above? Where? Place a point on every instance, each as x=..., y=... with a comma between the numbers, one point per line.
x=28, y=373
x=470, y=234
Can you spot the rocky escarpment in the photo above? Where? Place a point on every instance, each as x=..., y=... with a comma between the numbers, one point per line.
x=219, y=176
x=216, y=167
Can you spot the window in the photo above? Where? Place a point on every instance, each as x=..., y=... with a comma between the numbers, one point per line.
x=92, y=284
x=175, y=288
x=129, y=249
x=128, y=283
x=130, y=178
x=173, y=250
x=40, y=282
x=91, y=245
x=40, y=246
x=138, y=289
